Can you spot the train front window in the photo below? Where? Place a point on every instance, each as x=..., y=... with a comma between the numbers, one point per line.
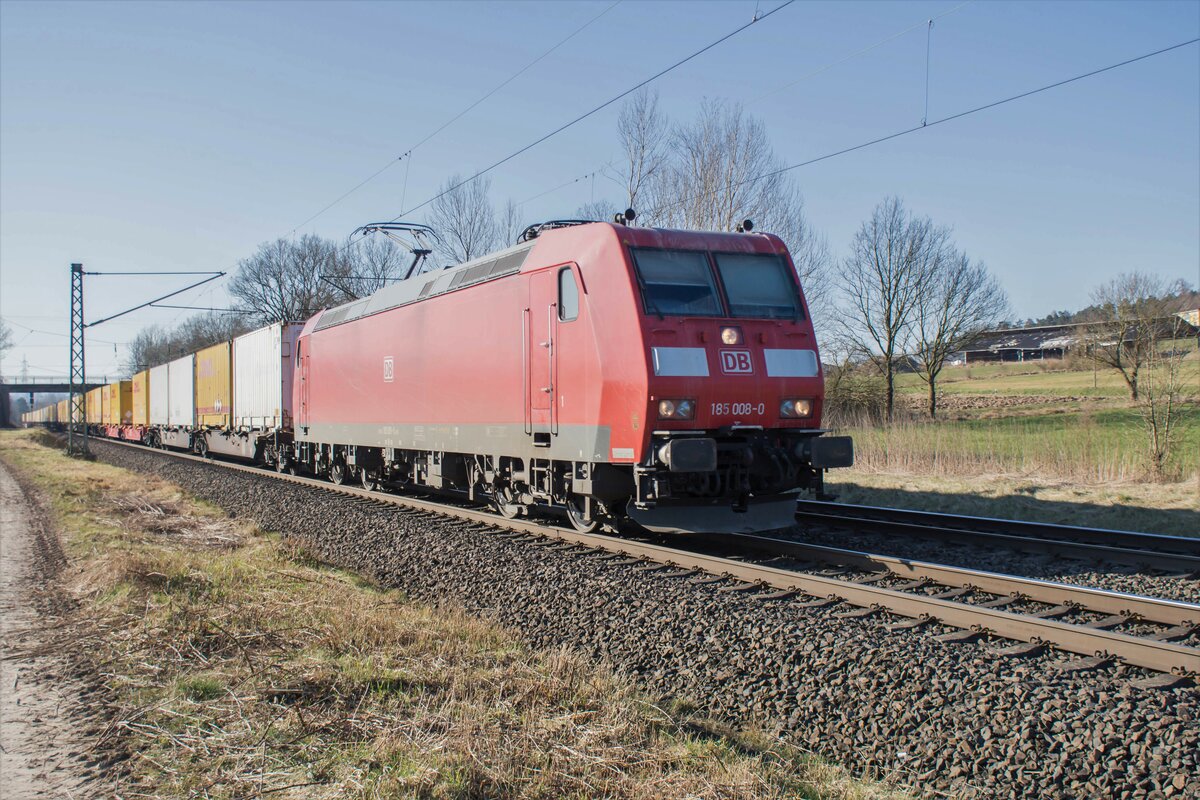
x=676, y=283
x=758, y=286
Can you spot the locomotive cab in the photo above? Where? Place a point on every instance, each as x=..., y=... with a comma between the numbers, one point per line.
x=735, y=386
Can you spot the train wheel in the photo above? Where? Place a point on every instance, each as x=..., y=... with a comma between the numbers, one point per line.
x=502, y=501
x=202, y=448
x=580, y=520
x=369, y=483
x=337, y=472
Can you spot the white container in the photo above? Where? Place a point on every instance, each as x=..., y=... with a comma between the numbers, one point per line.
x=159, y=403
x=263, y=366
x=181, y=387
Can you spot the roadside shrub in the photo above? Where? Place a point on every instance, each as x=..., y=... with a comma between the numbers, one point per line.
x=854, y=398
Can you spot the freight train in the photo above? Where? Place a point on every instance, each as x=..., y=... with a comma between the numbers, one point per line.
x=599, y=371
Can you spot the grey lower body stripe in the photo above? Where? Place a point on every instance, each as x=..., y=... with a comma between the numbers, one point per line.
x=571, y=443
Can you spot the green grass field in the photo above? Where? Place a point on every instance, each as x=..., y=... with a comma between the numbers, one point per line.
x=1050, y=378
x=1034, y=440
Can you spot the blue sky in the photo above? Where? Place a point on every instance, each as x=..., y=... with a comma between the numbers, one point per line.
x=155, y=136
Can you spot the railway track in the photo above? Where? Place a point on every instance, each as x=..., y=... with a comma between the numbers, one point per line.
x=1103, y=626
x=1173, y=555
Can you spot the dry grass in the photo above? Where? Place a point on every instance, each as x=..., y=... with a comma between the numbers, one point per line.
x=245, y=668
x=1086, y=446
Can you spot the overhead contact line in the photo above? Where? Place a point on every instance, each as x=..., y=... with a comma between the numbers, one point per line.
x=758, y=18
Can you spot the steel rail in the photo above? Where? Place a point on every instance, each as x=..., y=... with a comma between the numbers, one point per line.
x=1133, y=606
x=1148, y=653
x=1183, y=545
x=1029, y=537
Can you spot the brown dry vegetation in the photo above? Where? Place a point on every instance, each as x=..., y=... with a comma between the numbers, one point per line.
x=242, y=667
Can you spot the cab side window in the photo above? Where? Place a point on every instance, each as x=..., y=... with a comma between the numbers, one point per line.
x=568, y=295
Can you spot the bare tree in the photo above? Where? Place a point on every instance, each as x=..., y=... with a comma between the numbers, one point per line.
x=509, y=225
x=5, y=338
x=156, y=345
x=713, y=179
x=709, y=179
x=598, y=211
x=375, y=263
x=960, y=301
x=290, y=280
x=1120, y=329
x=148, y=348
x=810, y=253
x=892, y=258
x=1163, y=391
x=645, y=134
x=201, y=330
x=464, y=220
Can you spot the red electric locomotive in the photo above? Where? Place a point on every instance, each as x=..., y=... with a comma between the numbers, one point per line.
x=607, y=371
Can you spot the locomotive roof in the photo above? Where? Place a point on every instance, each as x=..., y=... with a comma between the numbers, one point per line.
x=430, y=284
x=509, y=262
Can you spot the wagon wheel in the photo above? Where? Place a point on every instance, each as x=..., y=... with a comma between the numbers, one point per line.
x=369, y=482
x=337, y=472
x=580, y=520
x=502, y=501
x=202, y=447
x=283, y=465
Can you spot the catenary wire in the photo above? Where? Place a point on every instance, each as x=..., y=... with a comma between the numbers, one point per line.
x=594, y=110
x=407, y=154
x=813, y=73
x=950, y=118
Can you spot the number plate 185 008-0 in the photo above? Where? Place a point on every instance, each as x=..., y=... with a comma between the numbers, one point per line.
x=738, y=409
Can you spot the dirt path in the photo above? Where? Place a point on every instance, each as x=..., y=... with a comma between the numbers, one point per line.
x=43, y=750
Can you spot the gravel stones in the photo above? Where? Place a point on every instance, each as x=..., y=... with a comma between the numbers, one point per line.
x=940, y=717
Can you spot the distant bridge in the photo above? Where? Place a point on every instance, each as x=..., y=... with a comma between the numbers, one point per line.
x=30, y=384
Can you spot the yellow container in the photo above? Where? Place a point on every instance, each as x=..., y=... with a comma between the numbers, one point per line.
x=95, y=406
x=118, y=408
x=214, y=385
x=141, y=398
x=64, y=411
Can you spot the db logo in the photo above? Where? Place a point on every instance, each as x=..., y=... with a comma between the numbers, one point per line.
x=736, y=362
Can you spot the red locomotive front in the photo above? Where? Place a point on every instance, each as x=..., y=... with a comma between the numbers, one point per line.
x=608, y=371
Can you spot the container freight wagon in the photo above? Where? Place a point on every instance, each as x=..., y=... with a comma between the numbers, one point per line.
x=46, y=416
x=214, y=386
x=174, y=415
x=140, y=398
x=94, y=407
x=118, y=408
x=105, y=396
x=263, y=363
x=158, y=407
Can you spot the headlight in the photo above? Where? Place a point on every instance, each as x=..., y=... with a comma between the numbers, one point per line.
x=796, y=408
x=676, y=409
x=731, y=335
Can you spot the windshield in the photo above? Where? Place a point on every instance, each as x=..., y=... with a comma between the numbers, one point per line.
x=758, y=286
x=677, y=282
